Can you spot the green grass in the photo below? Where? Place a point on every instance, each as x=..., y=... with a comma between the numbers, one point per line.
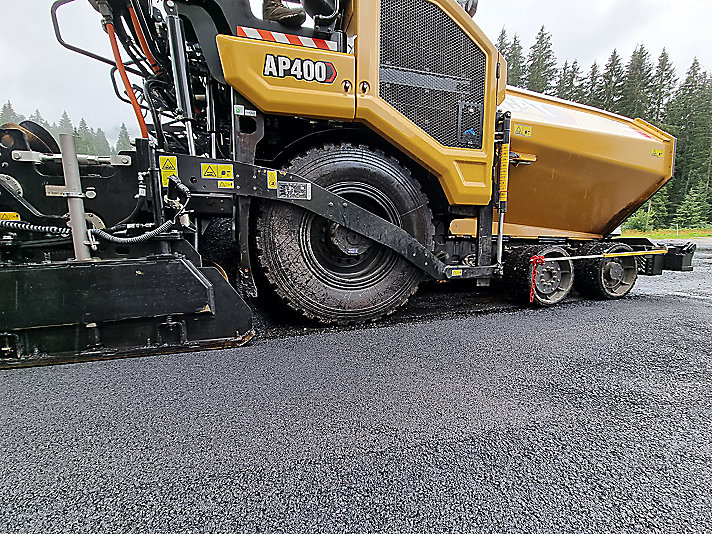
x=670, y=233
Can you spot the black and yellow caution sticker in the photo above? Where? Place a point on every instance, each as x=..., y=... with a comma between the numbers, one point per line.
x=9, y=216
x=169, y=167
x=658, y=153
x=271, y=179
x=209, y=170
x=217, y=171
x=521, y=130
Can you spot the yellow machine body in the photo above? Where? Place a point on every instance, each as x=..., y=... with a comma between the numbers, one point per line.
x=464, y=174
x=576, y=171
x=593, y=169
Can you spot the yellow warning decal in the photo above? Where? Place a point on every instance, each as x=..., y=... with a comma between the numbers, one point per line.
x=457, y=272
x=225, y=171
x=9, y=216
x=271, y=179
x=169, y=167
x=209, y=170
x=658, y=153
x=504, y=173
x=224, y=184
x=522, y=130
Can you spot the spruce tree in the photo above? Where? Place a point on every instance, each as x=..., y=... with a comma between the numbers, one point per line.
x=101, y=143
x=124, y=141
x=637, y=87
x=65, y=124
x=688, y=117
x=541, y=64
x=502, y=43
x=593, y=88
x=85, y=140
x=613, y=80
x=516, y=67
x=694, y=210
x=663, y=87
x=37, y=117
x=562, y=84
x=577, y=90
x=8, y=114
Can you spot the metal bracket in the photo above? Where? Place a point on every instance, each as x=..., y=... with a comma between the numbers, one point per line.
x=260, y=182
x=31, y=156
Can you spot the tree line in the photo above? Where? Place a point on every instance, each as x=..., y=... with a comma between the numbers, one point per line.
x=89, y=140
x=642, y=87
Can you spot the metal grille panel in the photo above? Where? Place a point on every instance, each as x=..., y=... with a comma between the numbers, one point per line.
x=428, y=68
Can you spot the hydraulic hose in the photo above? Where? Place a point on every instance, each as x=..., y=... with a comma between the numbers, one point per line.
x=27, y=227
x=142, y=41
x=125, y=79
x=101, y=234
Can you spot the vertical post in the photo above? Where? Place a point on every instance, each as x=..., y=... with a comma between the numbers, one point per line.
x=210, y=105
x=75, y=197
x=179, y=62
x=503, y=182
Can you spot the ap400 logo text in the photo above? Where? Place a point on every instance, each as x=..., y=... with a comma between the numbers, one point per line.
x=300, y=69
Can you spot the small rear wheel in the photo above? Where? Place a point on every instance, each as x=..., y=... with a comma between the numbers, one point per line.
x=553, y=282
x=606, y=278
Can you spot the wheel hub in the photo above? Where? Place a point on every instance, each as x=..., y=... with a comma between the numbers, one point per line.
x=614, y=271
x=548, y=278
x=347, y=241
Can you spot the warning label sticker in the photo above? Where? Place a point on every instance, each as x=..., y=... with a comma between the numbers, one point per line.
x=457, y=272
x=521, y=130
x=225, y=172
x=271, y=179
x=658, y=153
x=224, y=184
x=209, y=170
x=9, y=216
x=169, y=167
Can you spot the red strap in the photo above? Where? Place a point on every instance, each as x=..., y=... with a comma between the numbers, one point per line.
x=536, y=261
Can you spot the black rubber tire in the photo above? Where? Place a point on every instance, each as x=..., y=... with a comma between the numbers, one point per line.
x=301, y=260
x=590, y=279
x=518, y=275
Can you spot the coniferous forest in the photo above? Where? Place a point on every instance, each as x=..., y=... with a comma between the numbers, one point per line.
x=89, y=140
x=643, y=85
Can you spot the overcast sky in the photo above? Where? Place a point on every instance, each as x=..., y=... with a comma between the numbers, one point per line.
x=36, y=72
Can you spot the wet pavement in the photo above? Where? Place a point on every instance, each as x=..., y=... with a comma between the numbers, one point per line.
x=462, y=413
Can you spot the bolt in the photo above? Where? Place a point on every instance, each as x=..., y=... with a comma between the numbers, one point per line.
x=16, y=155
x=125, y=160
x=344, y=204
x=331, y=204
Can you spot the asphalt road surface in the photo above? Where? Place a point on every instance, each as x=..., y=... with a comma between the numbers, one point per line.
x=474, y=417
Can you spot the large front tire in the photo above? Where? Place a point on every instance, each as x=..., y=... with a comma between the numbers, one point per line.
x=326, y=272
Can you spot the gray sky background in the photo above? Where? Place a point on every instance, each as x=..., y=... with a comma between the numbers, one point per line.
x=36, y=72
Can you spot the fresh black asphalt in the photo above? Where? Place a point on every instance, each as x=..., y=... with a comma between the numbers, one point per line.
x=590, y=417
